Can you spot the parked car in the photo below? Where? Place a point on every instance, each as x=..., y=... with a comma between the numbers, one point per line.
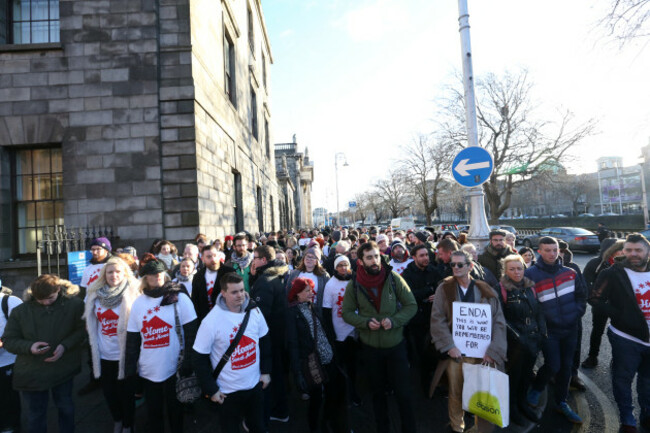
x=440, y=229
x=586, y=214
x=577, y=238
x=646, y=233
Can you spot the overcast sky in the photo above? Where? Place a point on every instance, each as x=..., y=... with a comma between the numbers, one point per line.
x=362, y=76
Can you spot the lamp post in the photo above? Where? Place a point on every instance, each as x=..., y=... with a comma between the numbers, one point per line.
x=479, y=227
x=336, y=175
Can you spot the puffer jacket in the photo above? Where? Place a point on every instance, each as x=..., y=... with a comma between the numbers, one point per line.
x=561, y=294
x=267, y=290
x=524, y=317
x=59, y=323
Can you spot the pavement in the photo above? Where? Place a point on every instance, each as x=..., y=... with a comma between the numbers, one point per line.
x=596, y=405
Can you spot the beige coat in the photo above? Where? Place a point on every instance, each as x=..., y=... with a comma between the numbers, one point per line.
x=441, y=318
x=131, y=292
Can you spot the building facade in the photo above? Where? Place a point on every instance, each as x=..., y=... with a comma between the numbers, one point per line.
x=296, y=167
x=151, y=117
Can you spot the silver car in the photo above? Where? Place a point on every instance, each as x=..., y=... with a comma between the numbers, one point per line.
x=577, y=238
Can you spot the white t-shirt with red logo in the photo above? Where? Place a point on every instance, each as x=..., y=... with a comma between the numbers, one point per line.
x=399, y=267
x=210, y=278
x=109, y=344
x=333, y=298
x=218, y=329
x=641, y=286
x=91, y=274
x=159, y=347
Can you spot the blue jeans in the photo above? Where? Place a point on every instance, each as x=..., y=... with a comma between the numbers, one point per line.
x=558, y=351
x=37, y=401
x=628, y=359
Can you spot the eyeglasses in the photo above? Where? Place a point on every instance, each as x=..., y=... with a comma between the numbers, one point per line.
x=310, y=257
x=457, y=265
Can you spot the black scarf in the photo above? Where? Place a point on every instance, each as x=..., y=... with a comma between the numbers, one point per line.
x=169, y=292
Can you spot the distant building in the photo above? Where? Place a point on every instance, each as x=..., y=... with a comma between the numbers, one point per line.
x=297, y=173
x=320, y=217
x=620, y=189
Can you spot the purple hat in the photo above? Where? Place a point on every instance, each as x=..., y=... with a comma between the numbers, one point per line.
x=102, y=242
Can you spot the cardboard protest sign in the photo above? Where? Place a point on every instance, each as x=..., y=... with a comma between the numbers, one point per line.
x=472, y=328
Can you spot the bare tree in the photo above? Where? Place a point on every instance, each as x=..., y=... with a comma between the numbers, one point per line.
x=362, y=206
x=628, y=20
x=521, y=144
x=376, y=204
x=394, y=192
x=576, y=189
x=425, y=165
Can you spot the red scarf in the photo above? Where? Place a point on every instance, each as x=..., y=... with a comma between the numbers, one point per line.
x=372, y=282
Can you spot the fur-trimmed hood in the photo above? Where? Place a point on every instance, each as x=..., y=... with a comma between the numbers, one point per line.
x=68, y=290
x=278, y=267
x=509, y=285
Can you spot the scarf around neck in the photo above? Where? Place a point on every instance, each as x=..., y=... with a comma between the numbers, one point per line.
x=111, y=297
x=242, y=262
x=169, y=292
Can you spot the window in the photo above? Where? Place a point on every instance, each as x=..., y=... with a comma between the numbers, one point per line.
x=29, y=21
x=38, y=195
x=229, y=66
x=238, y=210
x=254, y=114
x=264, y=69
x=267, y=139
x=272, y=213
x=251, y=34
x=260, y=210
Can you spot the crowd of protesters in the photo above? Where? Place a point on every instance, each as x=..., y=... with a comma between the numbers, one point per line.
x=258, y=316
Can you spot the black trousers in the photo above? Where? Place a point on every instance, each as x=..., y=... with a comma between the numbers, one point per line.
x=9, y=400
x=598, y=328
x=158, y=395
x=119, y=394
x=576, y=354
x=333, y=394
x=390, y=367
x=520, y=370
x=276, y=402
x=347, y=353
x=247, y=405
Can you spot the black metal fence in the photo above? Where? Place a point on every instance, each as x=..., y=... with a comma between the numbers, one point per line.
x=60, y=240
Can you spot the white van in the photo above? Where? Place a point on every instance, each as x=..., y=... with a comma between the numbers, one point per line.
x=404, y=223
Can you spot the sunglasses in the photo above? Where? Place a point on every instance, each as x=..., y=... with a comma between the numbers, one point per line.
x=457, y=265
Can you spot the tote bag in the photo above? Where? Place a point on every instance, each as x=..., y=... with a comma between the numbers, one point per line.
x=486, y=393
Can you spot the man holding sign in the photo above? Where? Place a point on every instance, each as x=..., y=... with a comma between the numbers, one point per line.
x=448, y=330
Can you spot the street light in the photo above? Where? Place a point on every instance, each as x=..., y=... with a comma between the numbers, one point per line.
x=336, y=175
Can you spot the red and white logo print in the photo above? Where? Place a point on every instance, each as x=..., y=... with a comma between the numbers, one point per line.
x=94, y=276
x=210, y=287
x=245, y=354
x=108, y=320
x=642, y=292
x=155, y=332
x=339, y=304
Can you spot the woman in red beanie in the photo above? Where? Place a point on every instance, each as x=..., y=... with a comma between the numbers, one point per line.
x=306, y=336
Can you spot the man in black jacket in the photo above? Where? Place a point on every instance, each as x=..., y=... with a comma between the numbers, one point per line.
x=205, y=285
x=623, y=293
x=267, y=290
x=423, y=279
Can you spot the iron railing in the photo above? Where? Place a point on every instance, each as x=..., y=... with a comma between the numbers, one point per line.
x=59, y=240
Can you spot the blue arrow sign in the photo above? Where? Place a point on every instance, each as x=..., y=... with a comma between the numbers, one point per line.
x=472, y=166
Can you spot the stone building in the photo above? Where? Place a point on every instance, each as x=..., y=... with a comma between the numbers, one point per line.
x=151, y=117
x=298, y=175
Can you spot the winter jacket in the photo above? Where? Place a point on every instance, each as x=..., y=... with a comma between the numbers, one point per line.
x=613, y=294
x=131, y=292
x=524, y=317
x=322, y=281
x=491, y=259
x=442, y=314
x=59, y=323
x=200, y=291
x=397, y=303
x=267, y=290
x=561, y=293
x=423, y=283
x=299, y=339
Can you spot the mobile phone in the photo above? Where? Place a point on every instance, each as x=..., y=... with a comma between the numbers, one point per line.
x=43, y=348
